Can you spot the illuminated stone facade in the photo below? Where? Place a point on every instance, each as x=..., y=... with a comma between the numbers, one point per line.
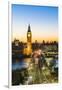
x=29, y=41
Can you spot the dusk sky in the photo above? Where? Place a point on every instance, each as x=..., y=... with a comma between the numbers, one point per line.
x=42, y=19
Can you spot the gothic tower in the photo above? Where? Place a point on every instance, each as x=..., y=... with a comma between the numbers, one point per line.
x=29, y=41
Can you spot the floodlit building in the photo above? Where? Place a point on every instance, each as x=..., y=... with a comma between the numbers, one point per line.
x=28, y=49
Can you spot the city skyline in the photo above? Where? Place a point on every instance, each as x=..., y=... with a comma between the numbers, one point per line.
x=43, y=21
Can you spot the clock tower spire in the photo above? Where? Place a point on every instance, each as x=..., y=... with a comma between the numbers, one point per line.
x=29, y=34
x=29, y=40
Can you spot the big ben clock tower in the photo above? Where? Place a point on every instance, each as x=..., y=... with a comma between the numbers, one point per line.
x=29, y=35
x=29, y=41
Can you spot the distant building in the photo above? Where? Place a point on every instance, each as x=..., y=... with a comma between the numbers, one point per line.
x=16, y=42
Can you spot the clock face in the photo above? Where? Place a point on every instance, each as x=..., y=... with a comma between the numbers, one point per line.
x=29, y=35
